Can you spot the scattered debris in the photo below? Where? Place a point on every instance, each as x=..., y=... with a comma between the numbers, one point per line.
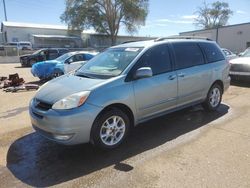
x=14, y=84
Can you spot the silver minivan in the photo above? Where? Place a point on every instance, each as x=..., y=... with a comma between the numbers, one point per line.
x=127, y=85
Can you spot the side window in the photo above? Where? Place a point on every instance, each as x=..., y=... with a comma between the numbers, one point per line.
x=78, y=57
x=53, y=54
x=63, y=51
x=157, y=59
x=187, y=55
x=88, y=56
x=212, y=52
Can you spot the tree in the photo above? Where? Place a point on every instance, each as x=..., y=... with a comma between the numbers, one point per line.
x=106, y=16
x=214, y=15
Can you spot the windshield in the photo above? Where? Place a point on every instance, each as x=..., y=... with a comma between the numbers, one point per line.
x=111, y=62
x=246, y=53
x=63, y=57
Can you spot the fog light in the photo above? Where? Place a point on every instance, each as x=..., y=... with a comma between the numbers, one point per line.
x=62, y=137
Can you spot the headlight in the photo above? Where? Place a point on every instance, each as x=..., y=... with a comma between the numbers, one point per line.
x=72, y=101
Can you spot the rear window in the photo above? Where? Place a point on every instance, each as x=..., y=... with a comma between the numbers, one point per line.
x=187, y=55
x=212, y=52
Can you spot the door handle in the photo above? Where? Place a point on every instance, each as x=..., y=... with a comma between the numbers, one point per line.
x=181, y=74
x=171, y=77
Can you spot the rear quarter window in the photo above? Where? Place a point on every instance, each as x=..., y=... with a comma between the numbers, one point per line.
x=212, y=52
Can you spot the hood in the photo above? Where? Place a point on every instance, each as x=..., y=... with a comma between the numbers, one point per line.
x=64, y=86
x=24, y=56
x=241, y=60
x=49, y=62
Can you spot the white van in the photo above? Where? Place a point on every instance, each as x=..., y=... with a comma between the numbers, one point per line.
x=22, y=45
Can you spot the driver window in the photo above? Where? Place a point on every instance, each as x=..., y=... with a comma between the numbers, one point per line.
x=157, y=58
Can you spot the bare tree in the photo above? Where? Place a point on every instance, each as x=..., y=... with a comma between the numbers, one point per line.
x=214, y=15
x=106, y=16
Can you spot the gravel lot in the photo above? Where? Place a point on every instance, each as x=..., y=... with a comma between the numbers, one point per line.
x=189, y=148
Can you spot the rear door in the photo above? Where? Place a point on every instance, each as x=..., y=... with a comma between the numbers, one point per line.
x=158, y=93
x=193, y=73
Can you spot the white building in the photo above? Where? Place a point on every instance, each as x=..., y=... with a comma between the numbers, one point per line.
x=233, y=37
x=41, y=35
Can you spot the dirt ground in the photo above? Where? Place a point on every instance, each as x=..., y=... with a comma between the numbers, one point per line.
x=190, y=148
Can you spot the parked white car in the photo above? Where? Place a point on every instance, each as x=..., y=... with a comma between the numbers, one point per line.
x=77, y=60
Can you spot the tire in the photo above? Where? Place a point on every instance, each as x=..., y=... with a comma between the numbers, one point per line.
x=213, y=99
x=32, y=62
x=105, y=134
x=57, y=74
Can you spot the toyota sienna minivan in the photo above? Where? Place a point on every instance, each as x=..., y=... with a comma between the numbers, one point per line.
x=129, y=84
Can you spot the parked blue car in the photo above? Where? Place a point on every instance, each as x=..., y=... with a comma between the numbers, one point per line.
x=61, y=65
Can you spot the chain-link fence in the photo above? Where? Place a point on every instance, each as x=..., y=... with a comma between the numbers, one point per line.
x=13, y=51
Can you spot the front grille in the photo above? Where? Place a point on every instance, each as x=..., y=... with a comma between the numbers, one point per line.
x=43, y=106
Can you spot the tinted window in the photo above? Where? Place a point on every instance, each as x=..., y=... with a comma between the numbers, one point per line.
x=187, y=55
x=88, y=56
x=212, y=52
x=79, y=57
x=63, y=51
x=53, y=54
x=157, y=59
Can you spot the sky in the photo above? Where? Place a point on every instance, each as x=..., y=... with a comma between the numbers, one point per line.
x=166, y=17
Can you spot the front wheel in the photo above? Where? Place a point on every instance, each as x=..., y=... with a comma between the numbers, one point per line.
x=213, y=99
x=110, y=129
x=57, y=74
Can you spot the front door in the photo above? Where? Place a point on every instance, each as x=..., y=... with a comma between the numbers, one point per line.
x=158, y=93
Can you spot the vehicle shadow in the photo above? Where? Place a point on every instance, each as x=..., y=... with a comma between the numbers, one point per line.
x=240, y=83
x=42, y=163
x=21, y=67
x=38, y=82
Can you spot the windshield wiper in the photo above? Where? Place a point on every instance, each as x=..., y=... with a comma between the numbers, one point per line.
x=82, y=75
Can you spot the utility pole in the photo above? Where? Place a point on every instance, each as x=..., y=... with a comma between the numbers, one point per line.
x=5, y=13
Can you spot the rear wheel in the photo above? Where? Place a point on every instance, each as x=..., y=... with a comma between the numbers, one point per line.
x=110, y=129
x=214, y=97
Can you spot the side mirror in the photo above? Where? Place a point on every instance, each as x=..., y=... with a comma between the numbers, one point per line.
x=70, y=60
x=143, y=72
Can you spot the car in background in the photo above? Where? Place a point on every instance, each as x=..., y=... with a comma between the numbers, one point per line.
x=22, y=45
x=61, y=65
x=41, y=55
x=25, y=45
x=228, y=54
x=240, y=67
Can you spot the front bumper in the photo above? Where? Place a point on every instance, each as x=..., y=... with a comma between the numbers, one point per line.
x=72, y=125
x=239, y=75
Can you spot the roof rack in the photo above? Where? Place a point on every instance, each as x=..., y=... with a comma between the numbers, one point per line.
x=181, y=37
